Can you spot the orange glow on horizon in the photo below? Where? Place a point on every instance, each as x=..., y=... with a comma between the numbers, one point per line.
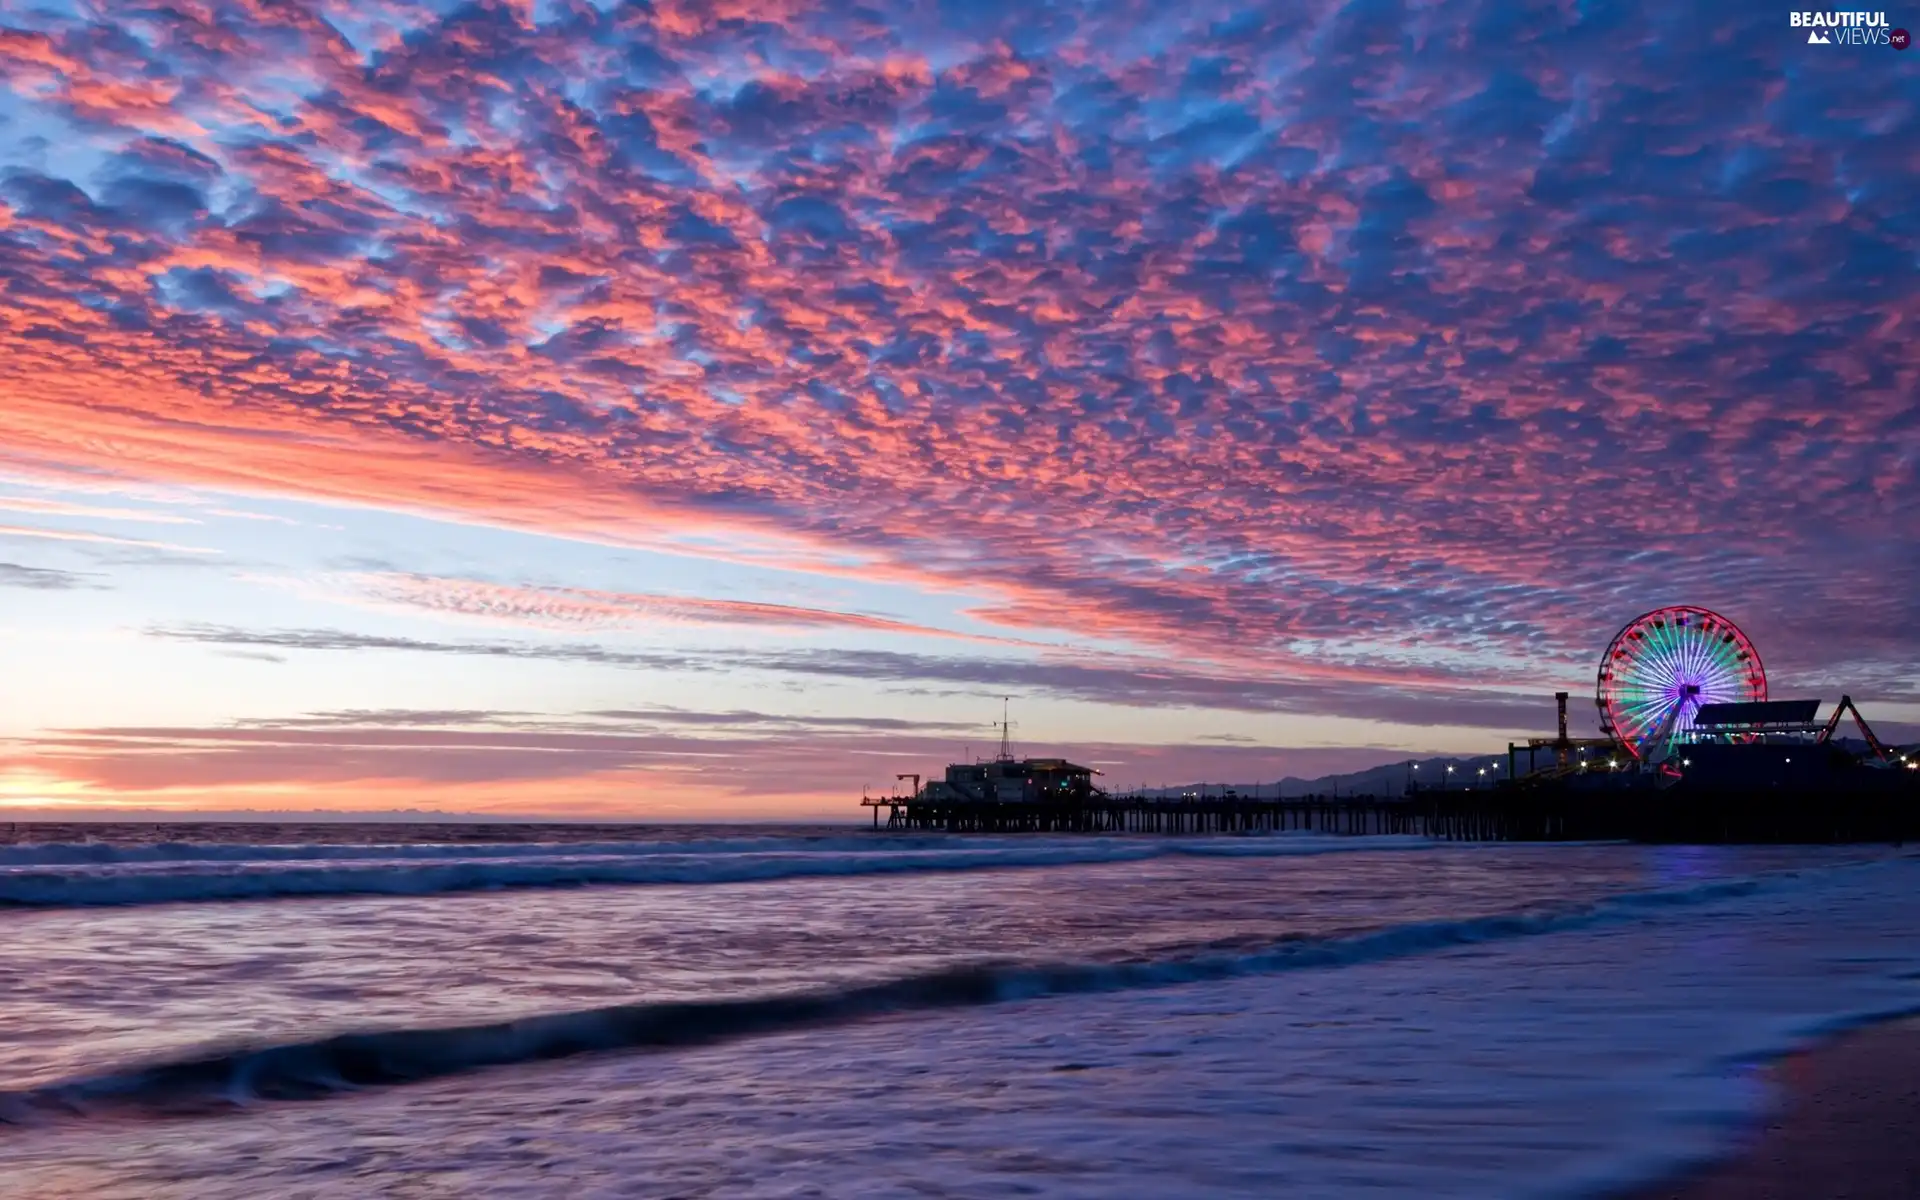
x=609, y=796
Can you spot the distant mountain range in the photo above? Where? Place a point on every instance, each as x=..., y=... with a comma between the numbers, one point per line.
x=1391, y=779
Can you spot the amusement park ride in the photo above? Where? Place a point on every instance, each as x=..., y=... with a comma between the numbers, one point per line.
x=1683, y=683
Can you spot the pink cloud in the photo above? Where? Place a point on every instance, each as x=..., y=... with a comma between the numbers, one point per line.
x=100, y=539
x=1287, y=339
x=583, y=608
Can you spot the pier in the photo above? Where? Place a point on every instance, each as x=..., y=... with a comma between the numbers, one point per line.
x=1746, y=771
x=1873, y=807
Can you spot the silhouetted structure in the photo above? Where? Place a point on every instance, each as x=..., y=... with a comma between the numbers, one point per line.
x=1812, y=801
x=1011, y=780
x=1755, y=770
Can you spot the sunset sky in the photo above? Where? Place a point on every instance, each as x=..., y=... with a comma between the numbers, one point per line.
x=708, y=409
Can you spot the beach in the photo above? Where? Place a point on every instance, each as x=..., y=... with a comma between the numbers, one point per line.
x=1847, y=1124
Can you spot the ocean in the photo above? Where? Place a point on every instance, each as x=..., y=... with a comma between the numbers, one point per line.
x=756, y=1012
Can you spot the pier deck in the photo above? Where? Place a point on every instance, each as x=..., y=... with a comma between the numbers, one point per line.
x=1883, y=810
x=1350, y=815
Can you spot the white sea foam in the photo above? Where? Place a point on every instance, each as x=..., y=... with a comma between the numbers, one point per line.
x=107, y=853
x=83, y=874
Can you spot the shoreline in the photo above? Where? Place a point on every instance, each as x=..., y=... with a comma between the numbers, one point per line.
x=1846, y=1124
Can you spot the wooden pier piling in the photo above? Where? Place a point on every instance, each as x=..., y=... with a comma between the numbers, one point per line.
x=1881, y=808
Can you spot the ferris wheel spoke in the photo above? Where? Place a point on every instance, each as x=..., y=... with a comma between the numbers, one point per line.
x=1710, y=665
x=1677, y=655
x=1663, y=648
x=1686, y=652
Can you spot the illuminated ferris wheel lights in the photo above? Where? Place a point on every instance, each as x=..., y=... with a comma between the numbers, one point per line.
x=1663, y=666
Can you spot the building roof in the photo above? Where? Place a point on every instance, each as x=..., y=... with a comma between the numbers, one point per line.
x=1058, y=764
x=1026, y=764
x=1756, y=712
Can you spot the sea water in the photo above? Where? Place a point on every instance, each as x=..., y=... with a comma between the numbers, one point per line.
x=356, y=1011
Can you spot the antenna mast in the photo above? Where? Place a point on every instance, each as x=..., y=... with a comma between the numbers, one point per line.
x=1006, y=732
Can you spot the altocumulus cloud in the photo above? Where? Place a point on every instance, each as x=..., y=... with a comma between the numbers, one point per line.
x=1228, y=329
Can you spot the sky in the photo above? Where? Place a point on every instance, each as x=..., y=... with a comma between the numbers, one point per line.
x=709, y=409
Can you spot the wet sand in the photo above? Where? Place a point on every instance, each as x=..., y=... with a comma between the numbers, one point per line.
x=1848, y=1127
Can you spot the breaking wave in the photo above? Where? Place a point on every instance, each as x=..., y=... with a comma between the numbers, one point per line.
x=103, y=853
x=86, y=874
x=226, y=1078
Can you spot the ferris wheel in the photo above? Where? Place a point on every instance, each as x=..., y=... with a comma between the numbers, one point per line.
x=1663, y=666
